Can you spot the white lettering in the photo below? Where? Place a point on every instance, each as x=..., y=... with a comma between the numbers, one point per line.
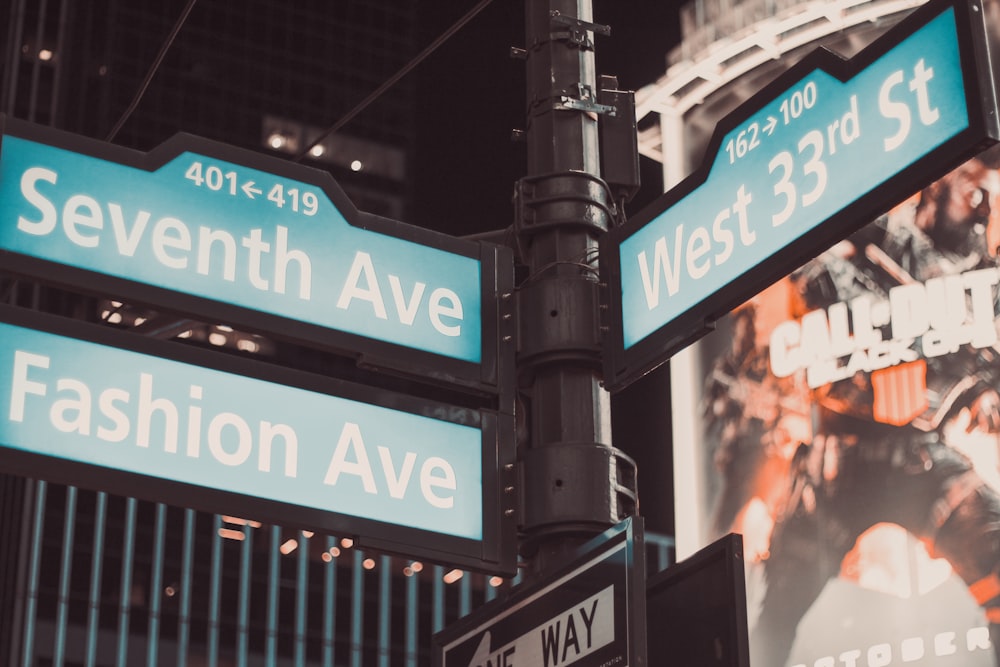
x=47, y=223
x=879, y=655
x=899, y=111
x=362, y=265
x=244, y=439
x=785, y=354
x=350, y=439
x=78, y=404
x=147, y=406
x=21, y=385
x=438, y=308
x=72, y=411
x=666, y=269
x=283, y=257
x=722, y=235
x=918, y=84
x=268, y=431
x=944, y=644
x=82, y=211
x=257, y=247
x=106, y=402
x=127, y=241
x=445, y=480
x=397, y=483
x=697, y=246
x=661, y=262
x=172, y=241
x=407, y=311
x=171, y=233
x=206, y=238
x=909, y=313
x=362, y=283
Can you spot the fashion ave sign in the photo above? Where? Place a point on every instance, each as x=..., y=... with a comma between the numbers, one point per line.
x=312, y=452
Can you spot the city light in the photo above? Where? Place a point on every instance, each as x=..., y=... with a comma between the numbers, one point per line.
x=277, y=141
x=230, y=534
x=247, y=345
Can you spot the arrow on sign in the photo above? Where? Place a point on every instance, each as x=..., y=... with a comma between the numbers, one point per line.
x=591, y=612
x=249, y=190
x=771, y=123
x=563, y=639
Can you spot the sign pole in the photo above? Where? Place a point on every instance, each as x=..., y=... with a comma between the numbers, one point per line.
x=575, y=483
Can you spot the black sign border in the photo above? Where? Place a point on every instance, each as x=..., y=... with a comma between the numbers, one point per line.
x=725, y=555
x=494, y=554
x=622, y=367
x=629, y=531
x=494, y=375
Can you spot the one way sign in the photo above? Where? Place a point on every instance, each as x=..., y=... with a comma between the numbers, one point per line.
x=590, y=613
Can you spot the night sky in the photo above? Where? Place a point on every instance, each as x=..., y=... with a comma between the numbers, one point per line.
x=471, y=95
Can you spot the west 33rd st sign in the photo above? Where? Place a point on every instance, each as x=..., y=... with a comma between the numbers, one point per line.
x=819, y=152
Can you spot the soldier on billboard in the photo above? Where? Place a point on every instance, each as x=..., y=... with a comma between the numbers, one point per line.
x=880, y=449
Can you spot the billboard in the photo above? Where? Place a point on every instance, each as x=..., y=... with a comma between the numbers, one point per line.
x=846, y=421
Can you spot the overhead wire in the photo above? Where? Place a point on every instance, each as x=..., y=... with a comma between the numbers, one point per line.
x=348, y=117
x=391, y=81
x=152, y=70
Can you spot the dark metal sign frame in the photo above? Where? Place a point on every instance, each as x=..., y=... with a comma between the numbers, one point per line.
x=696, y=610
x=492, y=376
x=495, y=553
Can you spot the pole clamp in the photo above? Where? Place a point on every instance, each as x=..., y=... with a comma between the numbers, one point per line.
x=585, y=100
x=578, y=29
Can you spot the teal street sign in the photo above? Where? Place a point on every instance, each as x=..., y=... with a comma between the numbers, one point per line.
x=815, y=155
x=150, y=419
x=247, y=239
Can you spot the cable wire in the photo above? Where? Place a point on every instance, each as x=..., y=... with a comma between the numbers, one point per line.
x=389, y=83
x=152, y=70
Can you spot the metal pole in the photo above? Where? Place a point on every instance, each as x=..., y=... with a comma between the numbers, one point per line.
x=575, y=483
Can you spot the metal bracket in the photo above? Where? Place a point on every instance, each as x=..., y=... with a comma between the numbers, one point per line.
x=579, y=24
x=579, y=29
x=571, y=104
x=585, y=102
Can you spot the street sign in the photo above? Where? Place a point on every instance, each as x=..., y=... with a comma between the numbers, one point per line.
x=236, y=237
x=590, y=613
x=696, y=610
x=87, y=405
x=812, y=157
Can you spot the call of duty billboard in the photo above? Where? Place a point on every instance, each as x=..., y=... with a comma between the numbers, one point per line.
x=846, y=421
